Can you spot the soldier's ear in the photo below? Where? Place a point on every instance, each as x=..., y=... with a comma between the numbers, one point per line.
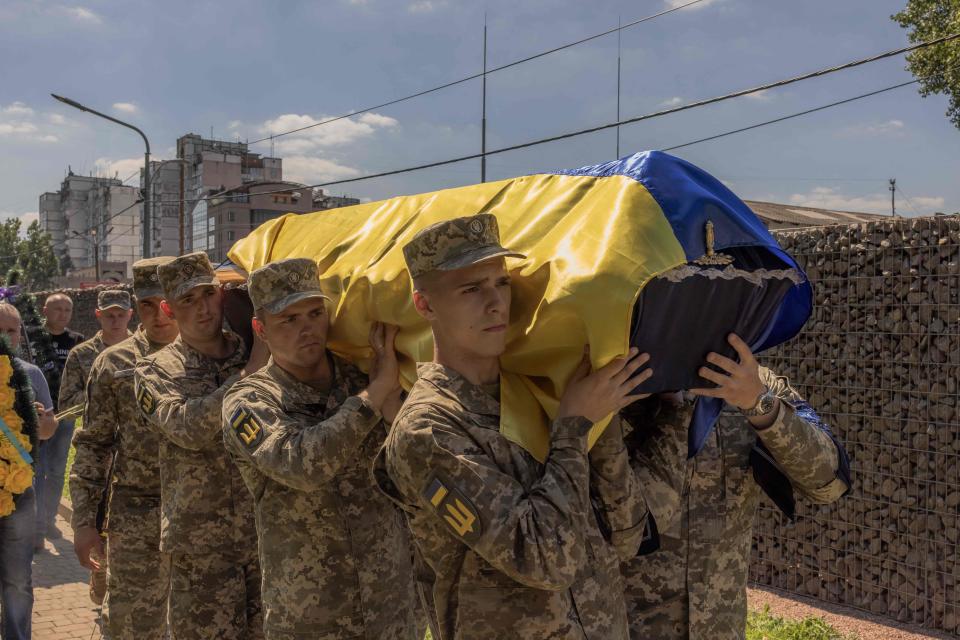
x=422, y=305
x=258, y=328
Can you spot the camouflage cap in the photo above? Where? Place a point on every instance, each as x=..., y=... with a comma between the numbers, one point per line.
x=278, y=285
x=146, y=282
x=113, y=298
x=454, y=244
x=181, y=274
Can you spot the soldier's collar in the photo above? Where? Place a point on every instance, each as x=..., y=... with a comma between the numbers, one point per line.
x=193, y=359
x=301, y=393
x=451, y=383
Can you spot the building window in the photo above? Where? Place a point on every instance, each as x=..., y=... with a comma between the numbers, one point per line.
x=281, y=199
x=231, y=217
x=230, y=236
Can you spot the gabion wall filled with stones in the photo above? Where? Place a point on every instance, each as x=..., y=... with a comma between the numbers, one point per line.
x=879, y=359
x=84, y=307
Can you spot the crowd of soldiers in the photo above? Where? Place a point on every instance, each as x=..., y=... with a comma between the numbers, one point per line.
x=280, y=492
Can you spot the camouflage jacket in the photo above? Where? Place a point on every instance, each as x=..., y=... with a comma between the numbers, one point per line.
x=694, y=586
x=334, y=552
x=114, y=433
x=73, y=380
x=205, y=505
x=507, y=546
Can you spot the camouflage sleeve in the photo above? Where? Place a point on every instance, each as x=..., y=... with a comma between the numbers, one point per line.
x=258, y=431
x=192, y=423
x=95, y=444
x=617, y=491
x=533, y=535
x=72, y=382
x=804, y=452
x=659, y=459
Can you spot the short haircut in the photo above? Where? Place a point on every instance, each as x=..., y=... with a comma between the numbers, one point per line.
x=54, y=297
x=11, y=311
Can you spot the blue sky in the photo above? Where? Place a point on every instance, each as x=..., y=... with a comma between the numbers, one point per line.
x=248, y=68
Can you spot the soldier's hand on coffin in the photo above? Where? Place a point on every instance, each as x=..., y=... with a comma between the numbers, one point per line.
x=607, y=390
x=385, y=370
x=259, y=355
x=86, y=540
x=738, y=383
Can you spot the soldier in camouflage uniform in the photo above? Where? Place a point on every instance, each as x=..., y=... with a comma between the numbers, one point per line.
x=507, y=546
x=207, y=513
x=304, y=430
x=113, y=314
x=116, y=447
x=694, y=586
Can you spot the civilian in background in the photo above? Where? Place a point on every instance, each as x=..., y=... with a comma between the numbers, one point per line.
x=52, y=455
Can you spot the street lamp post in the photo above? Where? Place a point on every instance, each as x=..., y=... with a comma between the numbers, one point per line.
x=96, y=249
x=146, y=166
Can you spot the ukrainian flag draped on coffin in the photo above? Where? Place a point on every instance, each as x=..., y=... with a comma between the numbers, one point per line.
x=593, y=237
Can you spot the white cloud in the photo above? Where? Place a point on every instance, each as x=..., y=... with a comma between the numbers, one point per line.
x=311, y=170
x=675, y=101
x=122, y=168
x=830, y=198
x=81, y=14
x=21, y=123
x=234, y=125
x=336, y=133
x=673, y=4
x=126, y=107
x=17, y=127
x=25, y=218
x=425, y=6
x=17, y=109
x=888, y=128
x=56, y=118
x=760, y=96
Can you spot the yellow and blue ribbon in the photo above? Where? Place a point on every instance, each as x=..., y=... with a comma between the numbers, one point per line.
x=8, y=434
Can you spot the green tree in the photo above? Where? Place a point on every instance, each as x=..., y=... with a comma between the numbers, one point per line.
x=37, y=259
x=9, y=243
x=937, y=67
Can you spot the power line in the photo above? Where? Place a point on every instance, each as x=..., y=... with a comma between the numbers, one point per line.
x=788, y=117
x=572, y=134
x=477, y=75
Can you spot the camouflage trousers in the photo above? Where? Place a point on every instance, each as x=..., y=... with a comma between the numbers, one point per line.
x=214, y=595
x=138, y=583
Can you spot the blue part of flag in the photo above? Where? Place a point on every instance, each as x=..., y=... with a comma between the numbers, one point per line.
x=689, y=197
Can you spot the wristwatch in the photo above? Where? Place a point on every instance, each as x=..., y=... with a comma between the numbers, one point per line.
x=766, y=401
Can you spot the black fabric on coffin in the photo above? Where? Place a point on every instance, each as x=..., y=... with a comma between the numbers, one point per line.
x=684, y=314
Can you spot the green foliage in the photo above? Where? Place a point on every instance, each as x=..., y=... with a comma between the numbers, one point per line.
x=938, y=67
x=9, y=243
x=37, y=259
x=763, y=625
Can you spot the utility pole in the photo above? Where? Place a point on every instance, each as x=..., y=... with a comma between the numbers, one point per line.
x=483, y=117
x=893, y=201
x=619, y=28
x=96, y=257
x=180, y=211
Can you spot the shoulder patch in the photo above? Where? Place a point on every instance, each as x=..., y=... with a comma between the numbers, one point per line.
x=247, y=427
x=454, y=509
x=146, y=400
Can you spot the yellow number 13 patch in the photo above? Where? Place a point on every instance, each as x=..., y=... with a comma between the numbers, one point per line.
x=247, y=427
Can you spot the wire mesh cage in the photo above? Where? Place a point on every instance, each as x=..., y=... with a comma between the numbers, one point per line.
x=880, y=361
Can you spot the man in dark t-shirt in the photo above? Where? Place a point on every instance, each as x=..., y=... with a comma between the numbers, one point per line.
x=52, y=454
